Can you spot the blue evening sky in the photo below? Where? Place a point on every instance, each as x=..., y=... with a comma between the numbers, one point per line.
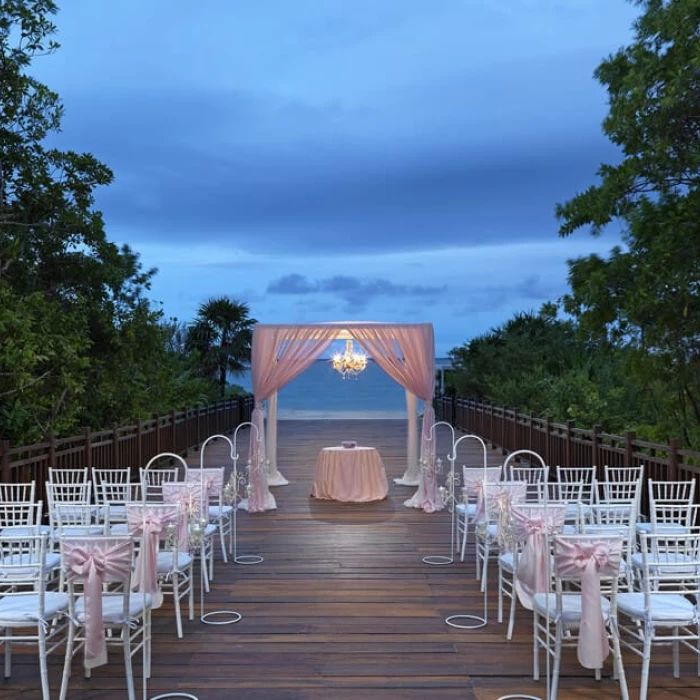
x=322, y=160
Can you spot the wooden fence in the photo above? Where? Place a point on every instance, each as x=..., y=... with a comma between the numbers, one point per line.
x=566, y=445
x=124, y=445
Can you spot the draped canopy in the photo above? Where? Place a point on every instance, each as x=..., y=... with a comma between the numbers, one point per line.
x=405, y=351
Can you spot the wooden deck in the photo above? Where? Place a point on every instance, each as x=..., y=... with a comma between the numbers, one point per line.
x=343, y=606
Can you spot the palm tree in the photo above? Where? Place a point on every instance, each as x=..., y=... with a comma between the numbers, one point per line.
x=222, y=335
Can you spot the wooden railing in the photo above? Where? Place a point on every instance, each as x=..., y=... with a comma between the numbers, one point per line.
x=566, y=445
x=124, y=445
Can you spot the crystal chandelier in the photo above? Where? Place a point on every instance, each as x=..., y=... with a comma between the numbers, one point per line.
x=349, y=363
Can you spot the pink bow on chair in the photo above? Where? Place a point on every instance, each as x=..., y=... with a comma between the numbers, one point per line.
x=94, y=566
x=532, y=574
x=590, y=560
x=148, y=525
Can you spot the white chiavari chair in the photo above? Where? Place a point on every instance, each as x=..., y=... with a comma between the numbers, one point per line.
x=472, y=480
x=152, y=481
x=106, y=614
x=172, y=575
x=220, y=513
x=68, y=476
x=665, y=612
x=18, y=493
x=29, y=614
x=579, y=563
x=113, y=488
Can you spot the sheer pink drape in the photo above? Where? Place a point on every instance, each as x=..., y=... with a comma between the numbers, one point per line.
x=406, y=352
x=279, y=354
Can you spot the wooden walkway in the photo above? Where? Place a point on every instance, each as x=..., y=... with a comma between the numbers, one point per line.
x=343, y=606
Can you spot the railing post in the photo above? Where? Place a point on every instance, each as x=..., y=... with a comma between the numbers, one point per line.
x=173, y=433
x=453, y=411
x=115, y=445
x=673, y=460
x=52, y=450
x=630, y=437
x=595, y=449
x=87, y=433
x=568, y=444
x=5, y=461
x=139, y=443
x=156, y=417
x=514, y=432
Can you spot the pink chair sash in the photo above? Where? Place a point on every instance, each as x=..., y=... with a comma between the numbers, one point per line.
x=149, y=524
x=95, y=565
x=532, y=526
x=589, y=561
x=499, y=495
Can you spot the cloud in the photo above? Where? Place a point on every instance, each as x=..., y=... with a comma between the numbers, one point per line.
x=355, y=292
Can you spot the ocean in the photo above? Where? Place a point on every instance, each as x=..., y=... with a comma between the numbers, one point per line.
x=321, y=392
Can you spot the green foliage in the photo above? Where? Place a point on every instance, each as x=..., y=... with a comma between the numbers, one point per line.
x=646, y=298
x=79, y=342
x=221, y=338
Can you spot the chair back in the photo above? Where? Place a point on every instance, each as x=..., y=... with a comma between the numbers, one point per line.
x=620, y=474
x=536, y=479
x=20, y=514
x=68, y=476
x=23, y=569
x=670, y=565
x=670, y=516
x=575, y=484
x=97, y=568
x=68, y=493
x=473, y=479
x=679, y=491
x=76, y=519
x=18, y=493
x=154, y=526
x=496, y=500
x=212, y=479
x=112, y=485
x=152, y=481
x=586, y=560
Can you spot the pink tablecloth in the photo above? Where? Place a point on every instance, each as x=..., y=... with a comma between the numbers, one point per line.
x=351, y=475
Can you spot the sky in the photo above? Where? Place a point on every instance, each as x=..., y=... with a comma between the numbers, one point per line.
x=329, y=160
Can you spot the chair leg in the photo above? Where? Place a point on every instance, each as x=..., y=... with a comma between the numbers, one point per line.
x=619, y=666
x=557, y=661
x=222, y=540
x=535, y=648
x=129, y=671
x=176, y=603
x=465, y=536
x=203, y=565
x=191, y=592
x=511, y=617
x=500, y=594
x=8, y=653
x=43, y=668
x=68, y=661
x=676, y=655
x=646, y=662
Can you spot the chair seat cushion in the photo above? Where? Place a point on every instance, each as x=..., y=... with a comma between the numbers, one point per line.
x=216, y=512
x=22, y=610
x=113, y=607
x=468, y=508
x=78, y=531
x=164, y=562
x=507, y=561
x=21, y=530
x=119, y=529
x=661, y=528
x=669, y=608
x=675, y=562
x=52, y=560
x=570, y=608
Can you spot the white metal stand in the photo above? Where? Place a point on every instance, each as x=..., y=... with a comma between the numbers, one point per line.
x=232, y=494
x=447, y=495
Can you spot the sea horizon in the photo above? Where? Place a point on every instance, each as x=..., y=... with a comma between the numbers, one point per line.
x=321, y=393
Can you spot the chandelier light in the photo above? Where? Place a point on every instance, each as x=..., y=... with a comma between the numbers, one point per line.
x=349, y=363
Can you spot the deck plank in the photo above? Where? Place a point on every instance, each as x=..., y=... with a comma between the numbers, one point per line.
x=343, y=606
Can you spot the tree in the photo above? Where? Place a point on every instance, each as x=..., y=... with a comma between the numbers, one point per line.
x=79, y=342
x=222, y=335
x=645, y=296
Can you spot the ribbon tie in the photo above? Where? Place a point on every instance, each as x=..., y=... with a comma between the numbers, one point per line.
x=589, y=560
x=149, y=525
x=531, y=526
x=95, y=565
